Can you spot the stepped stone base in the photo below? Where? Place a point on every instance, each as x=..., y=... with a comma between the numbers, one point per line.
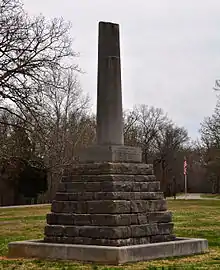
x=106, y=254
x=110, y=213
x=109, y=204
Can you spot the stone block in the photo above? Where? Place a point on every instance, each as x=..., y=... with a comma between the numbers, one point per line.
x=75, y=196
x=72, y=231
x=68, y=240
x=144, y=230
x=108, y=219
x=165, y=228
x=109, y=186
x=91, y=207
x=60, y=219
x=105, y=232
x=112, y=242
x=142, y=218
x=115, y=255
x=151, y=195
x=140, y=241
x=148, y=206
x=108, y=207
x=90, y=196
x=109, y=177
x=54, y=230
x=113, y=220
x=98, y=241
x=112, y=195
x=157, y=205
x=92, y=219
x=111, y=153
x=109, y=232
x=160, y=217
x=104, y=168
x=82, y=219
x=51, y=218
x=69, y=207
x=162, y=238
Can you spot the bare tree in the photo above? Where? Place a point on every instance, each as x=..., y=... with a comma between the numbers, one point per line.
x=210, y=138
x=169, y=142
x=147, y=121
x=30, y=50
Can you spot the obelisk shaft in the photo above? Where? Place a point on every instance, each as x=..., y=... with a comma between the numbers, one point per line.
x=109, y=93
x=110, y=139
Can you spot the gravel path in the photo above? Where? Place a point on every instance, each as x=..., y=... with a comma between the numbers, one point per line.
x=24, y=206
x=192, y=196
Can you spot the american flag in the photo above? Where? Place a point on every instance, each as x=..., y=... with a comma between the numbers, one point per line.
x=185, y=166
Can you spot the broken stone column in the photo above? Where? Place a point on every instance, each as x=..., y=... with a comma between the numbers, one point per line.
x=109, y=95
x=110, y=198
x=110, y=139
x=109, y=207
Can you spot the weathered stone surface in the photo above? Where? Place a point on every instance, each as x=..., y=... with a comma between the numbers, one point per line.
x=109, y=94
x=142, y=218
x=165, y=228
x=110, y=242
x=162, y=238
x=114, y=220
x=81, y=207
x=111, y=153
x=63, y=219
x=157, y=217
x=157, y=205
x=143, y=230
x=72, y=231
x=109, y=186
x=151, y=229
x=89, y=196
x=107, y=207
x=108, y=219
x=111, y=198
x=94, y=219
x=106, y=232
x=148, y=206
x=109, y=177
x=140, y=240
x=75, y=196
x=69, y=207
x=109, y=168
x=102, y=242
x=99, y=253
x=68, y=240
x=98, y=242
x=54, y=230
x=82, y=219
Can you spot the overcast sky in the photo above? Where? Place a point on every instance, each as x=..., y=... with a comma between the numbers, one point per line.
x=170, y=50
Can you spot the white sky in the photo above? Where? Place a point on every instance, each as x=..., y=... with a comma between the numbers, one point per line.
x=170, y=50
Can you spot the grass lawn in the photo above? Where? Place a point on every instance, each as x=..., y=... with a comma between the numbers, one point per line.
x=192, y=219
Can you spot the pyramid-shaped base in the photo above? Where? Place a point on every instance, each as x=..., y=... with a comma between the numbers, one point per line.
x=106, y=254
x=109, y=204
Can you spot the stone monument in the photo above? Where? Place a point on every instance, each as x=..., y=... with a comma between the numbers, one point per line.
x=109, y=208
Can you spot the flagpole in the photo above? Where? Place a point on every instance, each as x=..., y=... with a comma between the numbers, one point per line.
x=185, y=176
